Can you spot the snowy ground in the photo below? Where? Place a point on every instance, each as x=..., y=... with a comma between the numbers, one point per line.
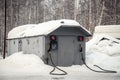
x=104, y=52
x=76, y=76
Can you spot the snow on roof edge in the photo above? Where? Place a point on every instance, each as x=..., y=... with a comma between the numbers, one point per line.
x=35, y=29
x=108, y=26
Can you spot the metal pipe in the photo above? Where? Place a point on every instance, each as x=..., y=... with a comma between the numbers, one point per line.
x=4, y=49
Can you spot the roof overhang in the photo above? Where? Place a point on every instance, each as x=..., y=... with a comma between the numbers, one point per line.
x=44, y=28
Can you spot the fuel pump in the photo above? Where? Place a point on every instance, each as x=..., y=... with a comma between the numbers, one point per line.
x=53, y=43
x=80, y=38
x=54, y=46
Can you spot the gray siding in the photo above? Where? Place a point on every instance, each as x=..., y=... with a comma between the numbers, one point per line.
x=12, y=46
x=67, y=53
x=67, y=31
x=33, y=45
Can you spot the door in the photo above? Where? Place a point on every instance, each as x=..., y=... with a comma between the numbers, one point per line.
x=66, y=50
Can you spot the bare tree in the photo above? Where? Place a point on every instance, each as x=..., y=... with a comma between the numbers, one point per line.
x=101, y=14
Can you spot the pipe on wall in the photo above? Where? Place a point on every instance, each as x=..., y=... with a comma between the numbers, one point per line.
x=4, y=49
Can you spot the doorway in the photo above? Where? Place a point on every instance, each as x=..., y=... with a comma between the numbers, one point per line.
x=66, y=50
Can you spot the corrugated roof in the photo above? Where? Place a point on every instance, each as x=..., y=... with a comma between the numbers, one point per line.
x=43, y=28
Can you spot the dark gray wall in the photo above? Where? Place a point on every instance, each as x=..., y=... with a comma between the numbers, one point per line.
x=68, y=31
x=67, y=53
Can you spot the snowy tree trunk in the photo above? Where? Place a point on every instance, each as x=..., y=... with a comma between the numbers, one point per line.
x=101, y=14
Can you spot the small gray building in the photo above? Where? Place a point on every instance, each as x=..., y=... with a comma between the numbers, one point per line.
x=64, y=37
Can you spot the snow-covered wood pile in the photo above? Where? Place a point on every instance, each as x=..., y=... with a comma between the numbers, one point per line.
x=111, y=30
x=104, y=50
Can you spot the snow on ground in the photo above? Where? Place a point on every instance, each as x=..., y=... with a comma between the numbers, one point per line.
x=29, y=64
x=22, y=63
x=104, y=51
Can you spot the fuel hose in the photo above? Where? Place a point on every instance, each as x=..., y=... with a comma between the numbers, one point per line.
x=54, y=66
x=102, y=70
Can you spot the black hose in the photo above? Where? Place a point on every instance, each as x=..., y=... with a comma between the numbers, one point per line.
x=103, y=70
x=55, y=67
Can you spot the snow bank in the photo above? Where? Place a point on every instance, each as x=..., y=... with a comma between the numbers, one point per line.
x=30, y=64
x=104, y=50
x=24, y=64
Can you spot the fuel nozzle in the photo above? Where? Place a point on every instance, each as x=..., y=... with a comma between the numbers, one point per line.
x=53, y=43
x=80, y=48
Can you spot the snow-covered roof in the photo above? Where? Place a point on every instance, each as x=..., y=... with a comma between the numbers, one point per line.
x=111, y=30
x=103, y=50
x=43, y=28
x=108, y=26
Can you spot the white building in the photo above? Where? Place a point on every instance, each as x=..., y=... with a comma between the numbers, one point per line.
x=64, y=37
x=111, y=30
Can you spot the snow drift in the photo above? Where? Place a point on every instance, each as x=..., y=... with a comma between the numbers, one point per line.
x=30, y=64
x=104, y=51
x=23, y=63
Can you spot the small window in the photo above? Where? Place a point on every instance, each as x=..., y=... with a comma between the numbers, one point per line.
x=20, y=45
x=14, y=42
x=28, y=42
x=20, y=42
x=37, y=40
